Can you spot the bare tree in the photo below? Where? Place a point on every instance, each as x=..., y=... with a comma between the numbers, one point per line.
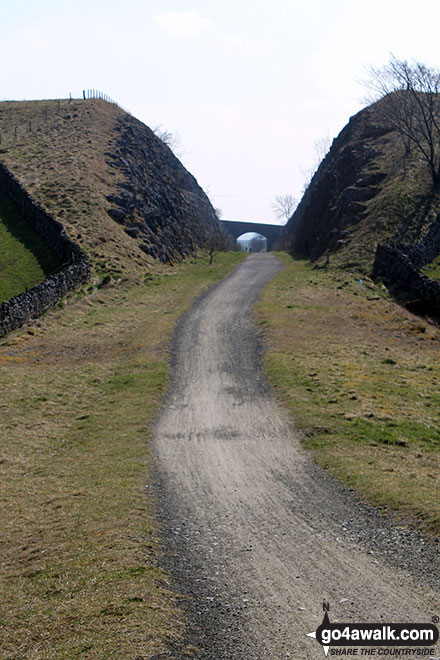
x=411, y=106
x=321, y=147
x=218, y=242
x=284, y=206
x=173, y=140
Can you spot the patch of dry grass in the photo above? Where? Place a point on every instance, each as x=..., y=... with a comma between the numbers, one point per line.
x=80, y=388
x=359, y=376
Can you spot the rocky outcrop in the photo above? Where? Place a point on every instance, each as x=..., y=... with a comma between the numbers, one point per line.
x=160, y=204
x=371, y=205
x=336, y=199
x=75, y=271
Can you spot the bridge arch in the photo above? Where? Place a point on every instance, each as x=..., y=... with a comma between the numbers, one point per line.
x=252, y=242
x=270, y=232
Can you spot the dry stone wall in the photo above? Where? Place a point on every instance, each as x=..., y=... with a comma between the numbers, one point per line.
x=74, y=272
x=399, y=264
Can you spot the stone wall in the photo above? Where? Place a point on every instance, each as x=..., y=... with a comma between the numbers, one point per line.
x=427, y=249
x=75, y=270
x=399, y=265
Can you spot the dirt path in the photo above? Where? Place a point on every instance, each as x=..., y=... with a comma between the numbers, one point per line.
x=256, y=535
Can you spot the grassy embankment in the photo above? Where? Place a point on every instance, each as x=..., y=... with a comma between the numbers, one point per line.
x=25, y=258
x=63, y=163
x=80, y=388
x=360, y=377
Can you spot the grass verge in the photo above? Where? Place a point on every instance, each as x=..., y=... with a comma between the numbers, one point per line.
x=79, y=576
x=359, y=376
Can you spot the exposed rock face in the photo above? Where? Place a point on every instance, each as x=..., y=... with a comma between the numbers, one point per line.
x=160, y=204
x=371, y=202
x=336, y=200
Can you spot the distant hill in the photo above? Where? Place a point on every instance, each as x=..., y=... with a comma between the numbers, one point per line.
x=119, y=191
x=366, y=191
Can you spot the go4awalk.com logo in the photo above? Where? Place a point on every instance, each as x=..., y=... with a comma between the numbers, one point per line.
x=376, y=639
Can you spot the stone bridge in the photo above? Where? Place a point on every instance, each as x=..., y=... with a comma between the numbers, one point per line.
x=270, y=232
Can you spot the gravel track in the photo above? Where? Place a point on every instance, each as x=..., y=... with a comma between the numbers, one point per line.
x=256, y=536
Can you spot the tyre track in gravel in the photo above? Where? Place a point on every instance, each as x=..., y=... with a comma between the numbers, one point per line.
x=256, y=536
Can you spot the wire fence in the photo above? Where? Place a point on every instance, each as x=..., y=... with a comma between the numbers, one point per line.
x=97, y=94
x=12, y=131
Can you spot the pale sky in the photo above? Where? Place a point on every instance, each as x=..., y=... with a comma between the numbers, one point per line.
x=249, y=85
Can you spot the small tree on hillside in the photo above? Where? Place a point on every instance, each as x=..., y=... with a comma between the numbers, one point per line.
x=321, y=147
x=217, y=242
x=172, y=140
x=284, y=206
x=411, y=106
